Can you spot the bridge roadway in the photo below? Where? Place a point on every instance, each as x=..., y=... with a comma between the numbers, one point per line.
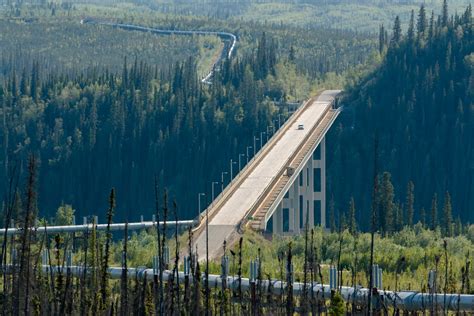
x=235, y=205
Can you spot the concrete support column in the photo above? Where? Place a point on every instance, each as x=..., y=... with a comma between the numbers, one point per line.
x=310, y=194
x=320, y=195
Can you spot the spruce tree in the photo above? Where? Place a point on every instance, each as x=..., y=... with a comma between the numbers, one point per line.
x=422, y=22
x=332, y=215
x=386, y=204
x=445, y=14
x=448, y=215
x=381, y=39
x=410, y=200
x=352, y=217
x=105, y=261
x=397, y=31
x=423, y=217
x=434, y=212
x=411, y=27
x=432, y=26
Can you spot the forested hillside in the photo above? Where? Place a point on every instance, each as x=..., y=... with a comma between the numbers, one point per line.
x=102, y=130
x=354, y=15
x=418, y=106
x=100, y=122
x=62, y=45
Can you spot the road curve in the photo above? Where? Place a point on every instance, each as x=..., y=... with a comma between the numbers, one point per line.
x=229, y=39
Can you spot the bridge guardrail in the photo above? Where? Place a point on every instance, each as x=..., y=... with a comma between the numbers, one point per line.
x=224, y=195
x=275, y=180
x=270, y=211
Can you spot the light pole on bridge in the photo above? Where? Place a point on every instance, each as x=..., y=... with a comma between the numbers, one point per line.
x=261, y=139
x=268, y=131
x=255, y=138
x=232, y=163
x=199, y=204
x=248, y=147
x=222, y=180
x=213, y=182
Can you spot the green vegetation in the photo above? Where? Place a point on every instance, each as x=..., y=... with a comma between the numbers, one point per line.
x=405, y=256
x=120, y=115
x=139, y=120
x=423, y=125
x=360, y=16
x=63, y=45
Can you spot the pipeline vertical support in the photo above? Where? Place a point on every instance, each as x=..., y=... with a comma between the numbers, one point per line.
x=166, y=256
x=224, y=271
x=156, y=265
x=68, y=259
x=333, y=278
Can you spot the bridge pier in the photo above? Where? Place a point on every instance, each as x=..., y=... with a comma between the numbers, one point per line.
x=306, y=198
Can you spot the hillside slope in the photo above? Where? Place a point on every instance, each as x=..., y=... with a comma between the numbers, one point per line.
x=419, y=103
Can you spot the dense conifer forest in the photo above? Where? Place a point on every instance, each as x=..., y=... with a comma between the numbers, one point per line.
x=93, y=126
x=123, y=129
x=418, y=106
x=400, y=152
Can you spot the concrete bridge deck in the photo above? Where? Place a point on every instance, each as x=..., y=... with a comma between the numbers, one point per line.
x=246, y=195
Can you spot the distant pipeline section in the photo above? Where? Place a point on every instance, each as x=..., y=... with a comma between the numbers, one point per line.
x=229, y=39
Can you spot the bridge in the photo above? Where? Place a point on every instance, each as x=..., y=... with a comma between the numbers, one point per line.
x=283, y=183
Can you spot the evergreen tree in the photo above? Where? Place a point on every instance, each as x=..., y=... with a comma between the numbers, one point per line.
x=423, y=216
x=397, y=31
x=105, y=261
x=422, y=22
x=292, y=54
x=448, y=215
x=467, y=17
x=434, y=212
x=411, y=27
x=445, y=14
x=410, y=200
x=432, y=26
x=381, y=39
x=23, y=83
x=34, y=81
x=352, y=217
x=332, y=215
x=400, y=216
x=386, y=204
x=262, y=58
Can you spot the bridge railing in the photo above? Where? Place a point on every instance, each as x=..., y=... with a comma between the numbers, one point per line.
x=271, y=210
x=275, y=180
x=253, y=209
x=228, y=190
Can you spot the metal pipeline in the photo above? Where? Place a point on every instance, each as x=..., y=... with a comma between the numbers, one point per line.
x=89, y=227
x=404, y=300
